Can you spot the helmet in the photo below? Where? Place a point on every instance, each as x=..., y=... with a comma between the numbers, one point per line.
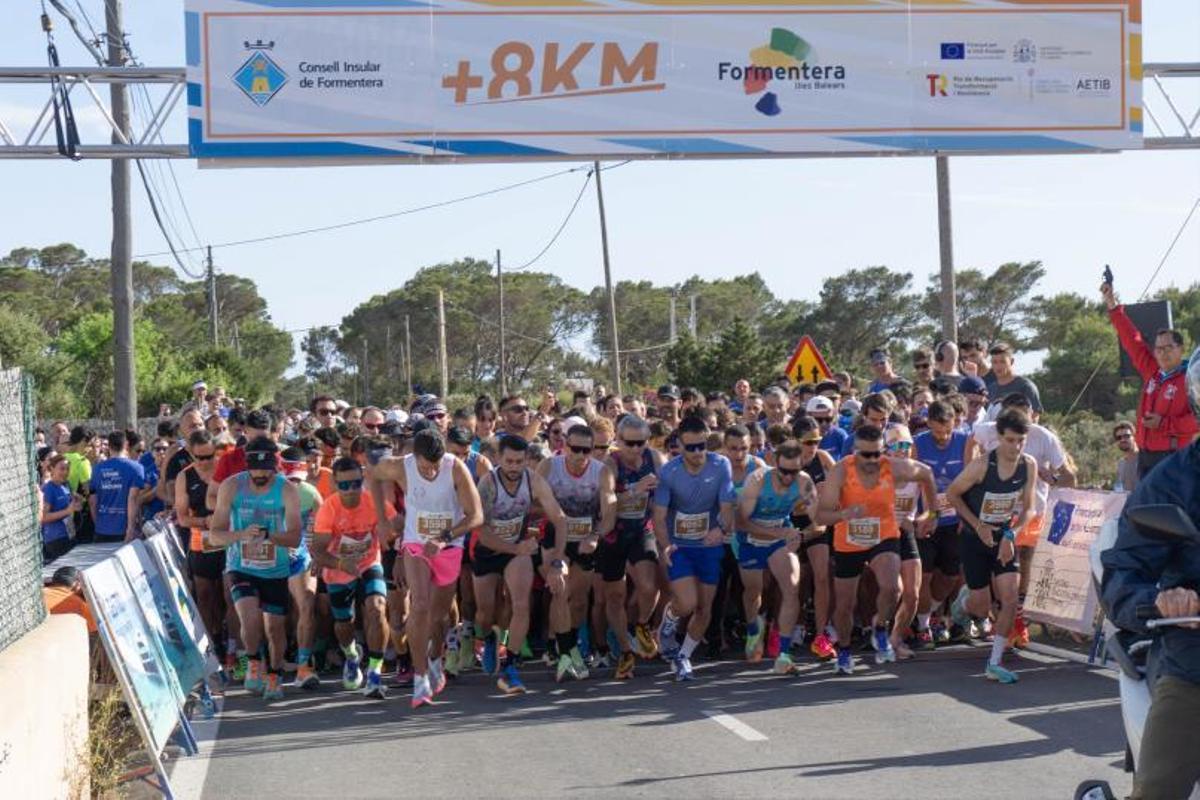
x=1193, y=382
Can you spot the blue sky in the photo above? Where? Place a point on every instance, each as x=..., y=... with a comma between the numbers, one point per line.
x=795, y=221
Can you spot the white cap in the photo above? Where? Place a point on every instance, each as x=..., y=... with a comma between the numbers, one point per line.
x=199, y=385
x=397, y=415
x=851, y=405
x=342, y=405
x=571, y=422
x=819, y=403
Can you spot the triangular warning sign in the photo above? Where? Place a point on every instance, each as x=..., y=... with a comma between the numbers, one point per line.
x=806, y=363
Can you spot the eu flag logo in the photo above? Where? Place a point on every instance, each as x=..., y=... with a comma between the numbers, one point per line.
x=1061, y=523
x=953, y=51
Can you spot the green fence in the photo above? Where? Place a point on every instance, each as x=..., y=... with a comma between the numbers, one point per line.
x=21, y=604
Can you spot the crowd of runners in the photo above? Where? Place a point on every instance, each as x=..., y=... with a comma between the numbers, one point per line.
x=419, y=542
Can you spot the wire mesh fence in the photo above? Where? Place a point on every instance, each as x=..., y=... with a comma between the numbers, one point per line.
x=21, y=604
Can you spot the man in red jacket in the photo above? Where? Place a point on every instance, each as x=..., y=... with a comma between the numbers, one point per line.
x=1165, y=421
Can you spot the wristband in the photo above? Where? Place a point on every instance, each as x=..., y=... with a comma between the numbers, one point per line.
x=447, y=537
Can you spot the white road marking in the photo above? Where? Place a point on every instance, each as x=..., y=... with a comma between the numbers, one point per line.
x=736, y=726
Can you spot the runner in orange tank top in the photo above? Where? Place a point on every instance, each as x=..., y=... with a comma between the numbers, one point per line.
x=859, y=500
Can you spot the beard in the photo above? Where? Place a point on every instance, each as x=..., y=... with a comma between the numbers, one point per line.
x=260, y=482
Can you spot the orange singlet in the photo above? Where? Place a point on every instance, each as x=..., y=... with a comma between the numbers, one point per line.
x=879, y=524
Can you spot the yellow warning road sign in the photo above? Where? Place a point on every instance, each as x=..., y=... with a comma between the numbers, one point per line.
x=806, y=363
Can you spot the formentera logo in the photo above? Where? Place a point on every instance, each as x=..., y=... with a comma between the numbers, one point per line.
x=260, y=77
x=786, y=57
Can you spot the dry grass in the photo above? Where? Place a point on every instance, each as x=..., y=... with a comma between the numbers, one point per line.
x=113, y=743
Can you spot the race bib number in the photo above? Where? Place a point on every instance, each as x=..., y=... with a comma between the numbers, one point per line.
x=691, y=526
x=258, y=554
x=432, y=524
x=998, y=507
x=944, y=507
x=508, y=529
x=863, y=532
x=906, y=506
x=765, y=523
x=632, y=505
x=578, y=528
x=354, y=549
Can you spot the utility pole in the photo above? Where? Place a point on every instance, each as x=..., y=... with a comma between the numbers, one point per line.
x=366, y=373
x=121, y=255
x=443, y=358
x=615, y=360
x=503, y=361
x=692, y=315
x=674, y=297
x=389, y=372
x=237, y=340
x=946, y=250
x=210, y=276
x=407, y=357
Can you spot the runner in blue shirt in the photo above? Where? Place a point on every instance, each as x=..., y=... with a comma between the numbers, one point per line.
x=114, y=497
x=833, y=438
x=693, y=508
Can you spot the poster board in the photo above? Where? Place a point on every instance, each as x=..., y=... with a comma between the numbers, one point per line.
x=162, y=549
x=1061, y=590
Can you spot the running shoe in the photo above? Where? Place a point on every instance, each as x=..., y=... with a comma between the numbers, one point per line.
x=939, y=632
x=565, y=668
x=488, y=658
x=625, y=667
x=923, y=641
x=683, y=668
x=352, y=677
x=771, y=648
x=404, y=676
x=845, y=662
x=995, y=672
x=374, y=688
x=238, y=673
x=882, y=646
x=1019, y=637
x=254, y=678
x=643, y=642
x=754, y=641
x=958, y=608
x=422, y=693
x=784, y=665
x=306, y=678
x=902, y=650
x=509, y=681
x=985, y=630
x=578, y=668
x=273, y=689
x=822, y=648
x=668, y=645
x=437, y=676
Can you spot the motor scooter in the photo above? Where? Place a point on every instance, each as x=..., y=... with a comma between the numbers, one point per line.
x=1129, y=649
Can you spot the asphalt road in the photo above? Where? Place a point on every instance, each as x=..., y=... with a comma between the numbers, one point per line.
x=932, y=728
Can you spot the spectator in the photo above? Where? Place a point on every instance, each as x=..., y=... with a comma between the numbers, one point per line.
x=114, y=499
x=1127, y=471
x=1003, y=379
x=741, y=391
x=970, y=358
x=58, y=509
x=922, y=361
x=974, y=389
x=64, y=595
x=199, y=401
x=1165, y=422
x=945, y=359
x=885, y=376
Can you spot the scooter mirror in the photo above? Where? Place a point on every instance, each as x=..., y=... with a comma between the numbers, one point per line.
x=1166, y=523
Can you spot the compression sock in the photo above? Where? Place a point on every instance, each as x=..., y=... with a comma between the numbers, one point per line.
x=303, y=655
x=565, y=642
x=374, y=661
x=689, y=645
x=785, y=644
x=998, y=644
x=350, y=651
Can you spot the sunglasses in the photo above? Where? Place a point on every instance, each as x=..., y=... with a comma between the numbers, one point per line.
x=791, y=473
x=376, y=426
x=603, y=448
x=823, y=420
x=896, y=446
x=208, y=457
x=698, y=447
x=325, y=412
x=1122, y=436
x=350, y=486
x=160, y=449
x=810, y=442
x=518, y=409
x=581, y=449
x=869, y=453
x=634, y=442
x=923, y=365
x=435, y=415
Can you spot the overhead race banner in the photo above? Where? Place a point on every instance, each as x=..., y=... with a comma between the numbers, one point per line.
x=1061, y=591
x=339, y=80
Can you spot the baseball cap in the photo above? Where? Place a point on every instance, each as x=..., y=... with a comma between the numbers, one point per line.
x=819, y=405
x=851, y=406
x=199, y=385
x=397, y=415
x=879, y=356
x=669, y=390
x=293, y=463
x=972, y=384
x=436, y=407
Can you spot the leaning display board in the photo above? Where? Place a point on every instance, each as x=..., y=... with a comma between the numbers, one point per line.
x=1061, y=590
x=339, y=81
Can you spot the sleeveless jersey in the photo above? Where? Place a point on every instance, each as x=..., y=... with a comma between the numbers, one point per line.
x=262, y=559
x=997, y=500
x=472, y=462
x=510, y=511
x=946, y=463
x=906, y=501
x=738, y=486
x=310, y=496
x=879, y=524
x=431, y=507
x=773, y=510
x=816, y=471
x=579, y=497
x=633, y=508
x=197, y=492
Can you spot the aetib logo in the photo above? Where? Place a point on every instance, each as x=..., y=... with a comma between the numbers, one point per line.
x=260, y=77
